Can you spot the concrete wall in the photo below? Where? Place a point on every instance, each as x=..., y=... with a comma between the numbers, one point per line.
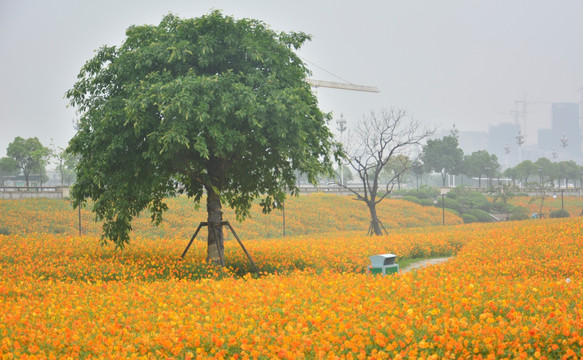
x=18, y=193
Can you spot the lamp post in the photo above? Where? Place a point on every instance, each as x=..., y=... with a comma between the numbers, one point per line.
x=520, y=141
x=562, y=202
x=341, y=126
x=507, y=151
x=442, y=207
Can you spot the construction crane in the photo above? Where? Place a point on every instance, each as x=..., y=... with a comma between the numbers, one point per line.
x=344, y=86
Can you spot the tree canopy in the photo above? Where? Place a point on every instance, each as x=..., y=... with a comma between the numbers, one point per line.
x=480, y=163
x=29, y=155
x=208, y=105
x=443, y=156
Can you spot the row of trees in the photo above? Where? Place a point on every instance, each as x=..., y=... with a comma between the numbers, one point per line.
x=29, y=157
x=445, y=157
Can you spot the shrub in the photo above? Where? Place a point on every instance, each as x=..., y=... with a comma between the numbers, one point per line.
x=453, y=211
x=467, y=218
x=481, y=215
x=518, y=213
x=426, y=202
x=412, y=199
x=4, y=231
x=424, y=193
x=559, y=214
x=451, y=204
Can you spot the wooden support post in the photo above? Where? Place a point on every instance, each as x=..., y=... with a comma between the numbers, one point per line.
x=192, y=238
x=242, y=247
x=220, y=255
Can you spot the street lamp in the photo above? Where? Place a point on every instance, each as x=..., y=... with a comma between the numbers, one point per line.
x=564, y=141
x=341, y=126
x=454, y=131
x=442, y=207
x=507, y=151
x=520, y=141
x=562, y=202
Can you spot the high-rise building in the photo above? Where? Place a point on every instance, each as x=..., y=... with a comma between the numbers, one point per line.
x=502, y=137
x=565, y=134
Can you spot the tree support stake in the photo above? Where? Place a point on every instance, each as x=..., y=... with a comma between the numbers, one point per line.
x=222, y=223
x=371, y=228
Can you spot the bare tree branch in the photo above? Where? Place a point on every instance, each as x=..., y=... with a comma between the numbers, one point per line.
x=379, y=138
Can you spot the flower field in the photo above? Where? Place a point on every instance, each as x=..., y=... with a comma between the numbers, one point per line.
x=572, y=204
x=306, y=214
x=511, y=290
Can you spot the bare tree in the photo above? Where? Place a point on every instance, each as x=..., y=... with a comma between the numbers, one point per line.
x=379, y=139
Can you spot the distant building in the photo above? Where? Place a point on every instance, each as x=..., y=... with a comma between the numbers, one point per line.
x=472, y=141
x=501, y=136
x=564, y=137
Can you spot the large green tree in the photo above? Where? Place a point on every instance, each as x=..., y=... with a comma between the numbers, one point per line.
x=209, y=105
x=480, y=163
x=524, y=170
x=30, y=156
x=443, y=156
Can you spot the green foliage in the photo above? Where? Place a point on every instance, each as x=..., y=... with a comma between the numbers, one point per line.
x=471, y=199
x=66, y=164
x=8, y=167
x=443, y=156
x=424, y=193
x=449, y=203
x=455, y=212
x=519, y=214
x=481, y=164
x=426, y=202
x=412, y=199
x=559, y=214
x=467, y=218
x=29, y=155
x=480, y=214
x=210, y=104
x=4, y=231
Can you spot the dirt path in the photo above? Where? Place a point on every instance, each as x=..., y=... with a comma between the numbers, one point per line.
x=422, y=263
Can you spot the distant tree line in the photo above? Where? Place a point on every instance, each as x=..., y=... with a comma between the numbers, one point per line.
x=29, y=158
x=444, y=156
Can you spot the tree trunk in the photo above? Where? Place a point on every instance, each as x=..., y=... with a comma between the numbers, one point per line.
x=216, y=248
x=376, y=225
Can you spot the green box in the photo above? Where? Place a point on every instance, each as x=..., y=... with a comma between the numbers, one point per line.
x=384, y=270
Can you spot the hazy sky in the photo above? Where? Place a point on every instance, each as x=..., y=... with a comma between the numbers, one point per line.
x=464, y=62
